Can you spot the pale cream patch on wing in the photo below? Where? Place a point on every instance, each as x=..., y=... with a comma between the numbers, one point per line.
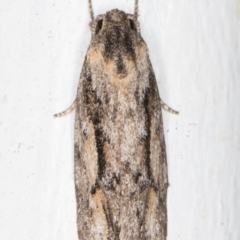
x=95, y=55
x=151, y=218
x=109, y=69
x=110, y=156
x=142, y=48
x=90, y=153
x=116, y=79
x=155, y=149
x=97, y=203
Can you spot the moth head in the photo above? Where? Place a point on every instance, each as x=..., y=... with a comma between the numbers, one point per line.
x=114, y=17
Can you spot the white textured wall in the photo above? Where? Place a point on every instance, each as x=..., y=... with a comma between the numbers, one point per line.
x=195, y=51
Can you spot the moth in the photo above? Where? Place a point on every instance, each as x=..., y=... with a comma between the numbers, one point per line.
x=120, y=161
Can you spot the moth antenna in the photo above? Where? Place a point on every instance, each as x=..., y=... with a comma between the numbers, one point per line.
x=167, y=108
x=136, y=8
x=90, y=9
x=71, y=108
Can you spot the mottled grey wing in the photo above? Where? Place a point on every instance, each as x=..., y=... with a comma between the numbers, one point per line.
x=156, y=210
x=92, y=207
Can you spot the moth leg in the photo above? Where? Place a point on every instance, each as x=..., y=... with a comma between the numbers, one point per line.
x=70, y=109
x=167, y=108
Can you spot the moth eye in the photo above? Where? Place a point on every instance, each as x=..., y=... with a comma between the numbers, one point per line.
x=98, y=26
x=132, y=24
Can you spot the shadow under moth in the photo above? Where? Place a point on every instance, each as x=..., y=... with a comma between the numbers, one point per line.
x=120, y=161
